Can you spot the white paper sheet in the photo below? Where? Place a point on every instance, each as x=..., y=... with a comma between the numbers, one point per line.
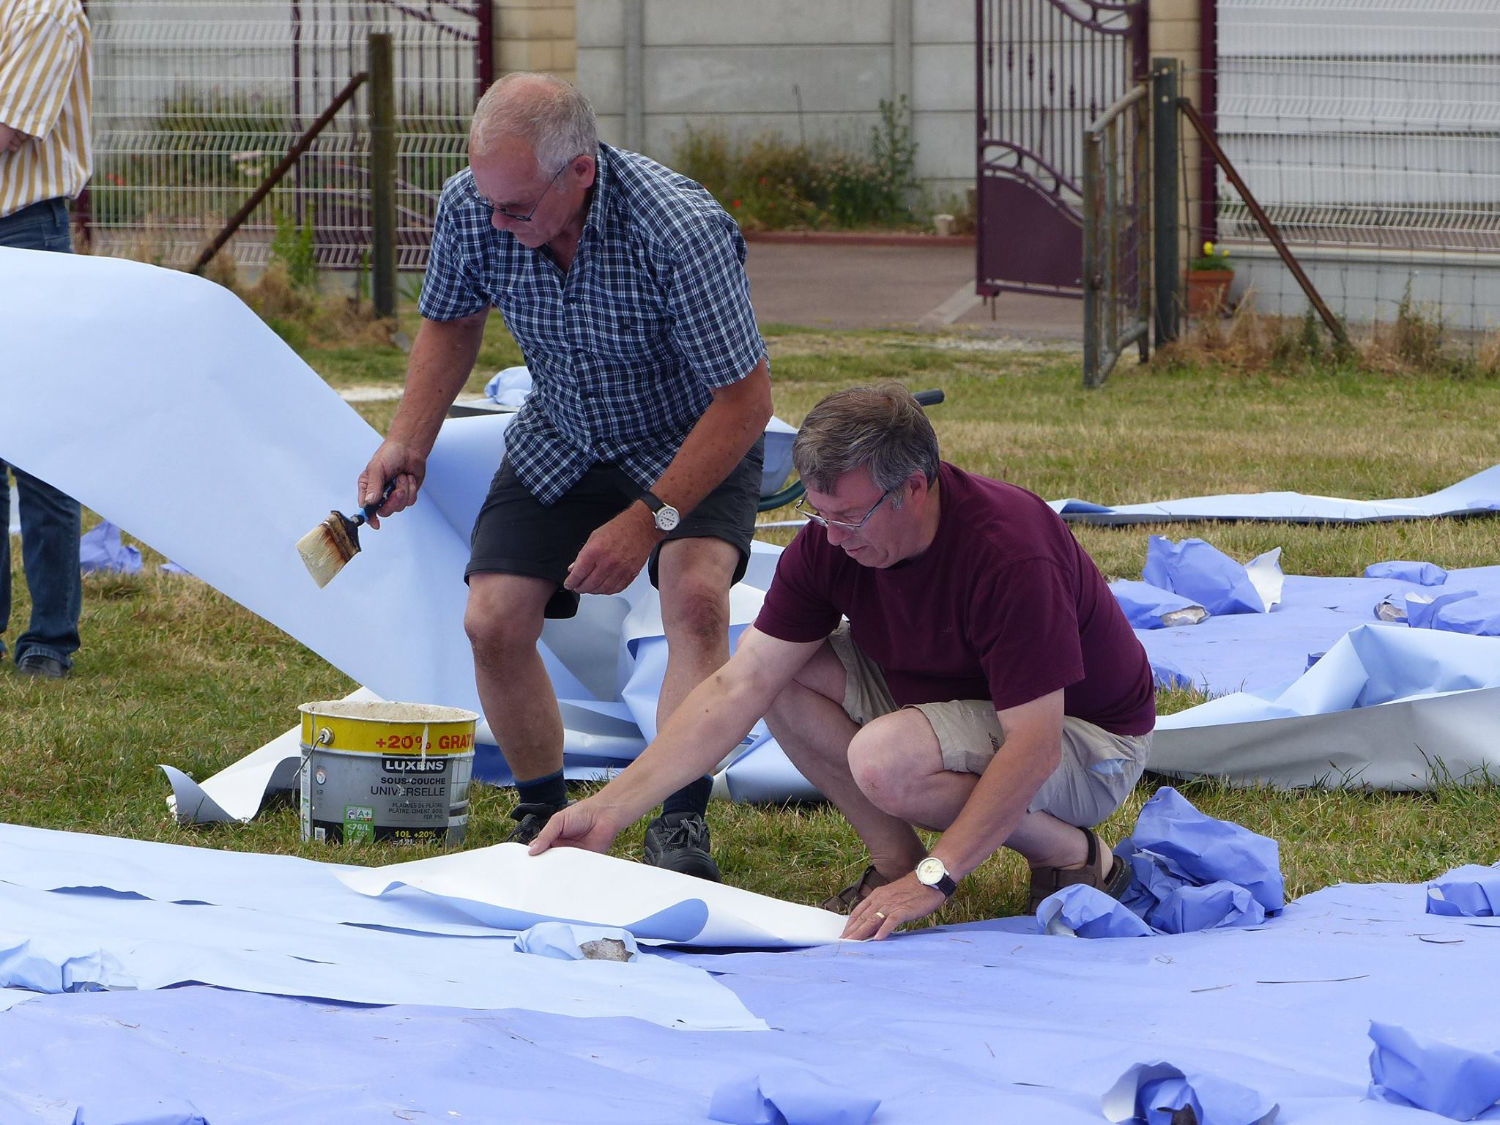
x=581, y=886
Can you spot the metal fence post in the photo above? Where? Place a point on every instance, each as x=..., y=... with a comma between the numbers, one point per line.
x=382, y=174
x=1093, y=220
x=1164, y=75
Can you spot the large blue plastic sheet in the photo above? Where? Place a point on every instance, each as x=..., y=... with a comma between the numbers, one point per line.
x=976, y=1022
x=1475, y=494
x=1265, y=652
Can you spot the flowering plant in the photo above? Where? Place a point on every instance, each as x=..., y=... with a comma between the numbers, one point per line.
x=1212, y=258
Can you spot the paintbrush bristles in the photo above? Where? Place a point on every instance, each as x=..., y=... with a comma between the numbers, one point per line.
x=326, y=548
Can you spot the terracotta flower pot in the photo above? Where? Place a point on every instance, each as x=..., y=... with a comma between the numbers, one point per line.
x=1208, y=292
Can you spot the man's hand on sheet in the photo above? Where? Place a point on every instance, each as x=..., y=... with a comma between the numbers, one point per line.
x=393, y=461
x=614, y=553
x=898, y=902
x=580, y=825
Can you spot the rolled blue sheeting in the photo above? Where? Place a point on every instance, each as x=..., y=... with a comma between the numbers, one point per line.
x=1475, y=494
x=1414, y=1070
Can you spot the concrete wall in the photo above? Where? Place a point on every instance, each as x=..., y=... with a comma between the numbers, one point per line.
x=536, y=35
x=804, y=70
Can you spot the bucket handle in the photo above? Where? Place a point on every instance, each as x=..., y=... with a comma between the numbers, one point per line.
x=325, y=736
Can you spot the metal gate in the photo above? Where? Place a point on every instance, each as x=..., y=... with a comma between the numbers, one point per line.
x=1047, y=69
x=195, y=101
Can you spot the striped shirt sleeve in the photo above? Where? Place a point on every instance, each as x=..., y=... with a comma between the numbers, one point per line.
x=44, y=93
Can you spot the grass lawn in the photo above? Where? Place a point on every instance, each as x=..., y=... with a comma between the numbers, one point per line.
x=173, y=672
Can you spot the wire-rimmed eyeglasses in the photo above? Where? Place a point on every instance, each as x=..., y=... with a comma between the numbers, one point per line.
x=505, y=212
x=849, y=528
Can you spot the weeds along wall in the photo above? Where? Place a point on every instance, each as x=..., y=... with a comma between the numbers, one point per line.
x=195, y=101
x=1367, y=129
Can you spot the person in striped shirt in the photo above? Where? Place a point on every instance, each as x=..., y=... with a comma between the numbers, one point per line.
x=44, y=162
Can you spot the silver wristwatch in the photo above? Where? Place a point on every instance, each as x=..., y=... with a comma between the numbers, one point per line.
x=667, y=517
x=932, y=873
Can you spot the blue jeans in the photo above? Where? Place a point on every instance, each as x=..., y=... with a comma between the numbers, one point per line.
x=49, y=518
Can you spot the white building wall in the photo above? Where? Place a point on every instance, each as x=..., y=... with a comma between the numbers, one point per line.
x=803, y=69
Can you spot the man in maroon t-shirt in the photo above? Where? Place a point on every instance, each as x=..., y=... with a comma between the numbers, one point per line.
x=985, y=685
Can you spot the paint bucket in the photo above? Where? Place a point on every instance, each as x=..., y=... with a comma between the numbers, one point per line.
x=395, y=772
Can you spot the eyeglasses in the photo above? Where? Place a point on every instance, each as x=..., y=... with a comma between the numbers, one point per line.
x=505, y=212
x=849, y=528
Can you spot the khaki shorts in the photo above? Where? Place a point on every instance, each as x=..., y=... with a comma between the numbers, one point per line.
x=1097, y=771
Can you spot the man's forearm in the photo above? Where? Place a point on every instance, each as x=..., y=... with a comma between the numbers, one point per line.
x=442, y=357
x=1000, y=798
x=720, y=439
x=709, y=723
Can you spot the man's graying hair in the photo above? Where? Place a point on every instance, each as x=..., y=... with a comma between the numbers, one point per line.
x=882, y=428
x=550, y=115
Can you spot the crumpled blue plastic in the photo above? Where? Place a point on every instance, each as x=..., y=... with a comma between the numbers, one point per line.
x=100, y=549
x=1189, y=872
x=1151, y=607
x=564, y=941
x=1161, y=1088
x=1457, y=611
x=1086, y=912
x=153, y=1110
x=788, y=1096
x=1185, y=846
x=509, y=386
x=1202, y=573
x=1422, y=573
x=1470, y=891
x=1409, y=1070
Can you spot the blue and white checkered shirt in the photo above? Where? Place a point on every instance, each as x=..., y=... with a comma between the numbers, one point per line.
x=625, y=347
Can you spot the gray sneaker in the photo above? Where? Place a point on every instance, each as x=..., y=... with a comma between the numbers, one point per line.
x=679, y=842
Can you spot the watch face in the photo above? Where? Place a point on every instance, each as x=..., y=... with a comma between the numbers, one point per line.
x=930, y=871
x=667, y=518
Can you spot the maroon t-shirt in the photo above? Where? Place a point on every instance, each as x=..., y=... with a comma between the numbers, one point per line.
x=1004, y=605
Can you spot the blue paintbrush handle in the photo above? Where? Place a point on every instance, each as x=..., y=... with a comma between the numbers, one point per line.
x=374, y=506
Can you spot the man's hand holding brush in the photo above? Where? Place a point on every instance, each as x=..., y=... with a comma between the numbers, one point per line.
x=399, y=465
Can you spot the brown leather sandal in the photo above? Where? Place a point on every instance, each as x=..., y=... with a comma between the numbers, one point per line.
x=855, y=893
x=1100, y=870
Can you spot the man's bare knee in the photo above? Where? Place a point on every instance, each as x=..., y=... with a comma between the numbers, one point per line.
x=498, y=627
x=878, y=766
x=697, y=608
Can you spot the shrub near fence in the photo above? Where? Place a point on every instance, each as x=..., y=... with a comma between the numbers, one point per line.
x=769, y=183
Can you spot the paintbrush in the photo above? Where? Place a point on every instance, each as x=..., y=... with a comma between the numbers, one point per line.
x=326, y=548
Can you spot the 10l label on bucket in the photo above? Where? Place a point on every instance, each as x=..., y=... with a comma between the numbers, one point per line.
x=394, y=772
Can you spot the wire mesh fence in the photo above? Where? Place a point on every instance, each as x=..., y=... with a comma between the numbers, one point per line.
x=195, y=101
x=1369, y=132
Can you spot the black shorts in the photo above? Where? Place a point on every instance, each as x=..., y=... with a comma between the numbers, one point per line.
x=517, y=534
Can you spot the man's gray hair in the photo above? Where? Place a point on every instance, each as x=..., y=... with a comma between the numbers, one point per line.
x=550, y=115
x=882, y=428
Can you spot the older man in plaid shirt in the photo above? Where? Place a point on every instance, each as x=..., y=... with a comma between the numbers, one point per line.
x=624, y=285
